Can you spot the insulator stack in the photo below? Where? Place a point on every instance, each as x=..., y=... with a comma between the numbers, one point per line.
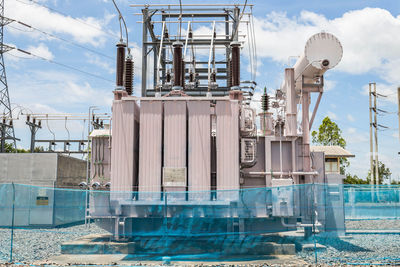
x=265, y=102
x=178, y=79
x=129, y=75
x=191, y=76
x=183, y=73
x=229, y=73
x=120, y=64
x=235, y=46
x=214, y=77
x=168, y=77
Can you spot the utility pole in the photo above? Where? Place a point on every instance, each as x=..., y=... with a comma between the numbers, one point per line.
x=376, y=138
x=371, y=144
x=373, y=135
x=398, y=107
x=34, y=127
x=5, y=105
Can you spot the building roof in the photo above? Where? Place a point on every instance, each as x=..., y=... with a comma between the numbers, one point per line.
x=332, y=151
x=100, y=133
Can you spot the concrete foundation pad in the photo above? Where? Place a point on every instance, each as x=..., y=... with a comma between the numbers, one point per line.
x=97, y=244
x=312, y=247
x=184, y=247
x=123, y=259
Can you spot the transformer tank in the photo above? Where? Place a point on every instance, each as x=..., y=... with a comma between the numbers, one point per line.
x=192, y=157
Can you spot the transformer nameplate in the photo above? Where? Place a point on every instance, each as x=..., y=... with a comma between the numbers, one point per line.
x=174, y=176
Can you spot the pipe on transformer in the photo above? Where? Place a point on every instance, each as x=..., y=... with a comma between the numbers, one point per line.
x=291, y=106
x=120, y=65
x=235, y=47
x=177, y=63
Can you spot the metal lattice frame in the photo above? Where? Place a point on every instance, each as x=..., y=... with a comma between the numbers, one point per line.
x=230, y=16
x=5, y=105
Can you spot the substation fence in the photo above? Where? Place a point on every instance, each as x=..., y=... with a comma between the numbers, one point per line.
x=37, y=223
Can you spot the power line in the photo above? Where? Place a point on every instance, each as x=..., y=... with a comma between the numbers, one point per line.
x=64, y=14
x=56, y=37
x=61, y=64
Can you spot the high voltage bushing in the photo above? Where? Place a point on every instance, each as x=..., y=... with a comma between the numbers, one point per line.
x=183, y=73
x=178, y=79
x=129, y=74
x=214, y=76
x=265, y=102
x=229, y=83
x=120, y=64
x=235, y=46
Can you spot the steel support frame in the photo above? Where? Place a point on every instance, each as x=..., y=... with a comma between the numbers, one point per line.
x=229, y=14
x=5, y=105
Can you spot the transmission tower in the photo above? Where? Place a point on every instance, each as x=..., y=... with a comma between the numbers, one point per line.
x=7, y=128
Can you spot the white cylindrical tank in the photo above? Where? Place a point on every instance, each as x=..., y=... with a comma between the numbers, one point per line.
x=323, y=51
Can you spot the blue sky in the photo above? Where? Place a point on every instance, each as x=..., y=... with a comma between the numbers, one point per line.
x=368, y=30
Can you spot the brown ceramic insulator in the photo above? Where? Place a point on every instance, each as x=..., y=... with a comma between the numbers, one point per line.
x=235, y=64
x=168, y=77
x=229, y=73
x=178, y=81
x=120, y=64
x=129, y=75
x=183, y=74
x=213, y=77
x=191, y=77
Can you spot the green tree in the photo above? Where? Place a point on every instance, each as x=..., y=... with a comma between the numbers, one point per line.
x=329, y=134
x=9, y=148
x=384, y=173
x=353, y=179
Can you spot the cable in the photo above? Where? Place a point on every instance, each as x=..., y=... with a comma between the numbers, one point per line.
x=126, y=28
x=240, y=18
x=180, y=18
x=63, y=65
x=59, y=12
x=8, y=25
x=54, y=36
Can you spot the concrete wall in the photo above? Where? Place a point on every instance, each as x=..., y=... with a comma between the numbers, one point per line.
x=42, y=169
x=70, y=172
x=27, y=168
x=37, y=203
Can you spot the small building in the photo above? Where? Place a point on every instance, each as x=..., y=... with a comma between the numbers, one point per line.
x=333, y=154
x=100, y=164
x=43, y=188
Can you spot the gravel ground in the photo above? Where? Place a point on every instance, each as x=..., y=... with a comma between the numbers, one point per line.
x=362, y=249
x=39, y=244
x=359, y=248
x=373, y=225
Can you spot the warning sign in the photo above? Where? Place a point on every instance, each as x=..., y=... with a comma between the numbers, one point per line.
x=42, y=201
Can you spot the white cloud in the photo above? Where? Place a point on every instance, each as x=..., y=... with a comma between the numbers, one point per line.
x=389, y=90
x=42, y=51
x=329, y=85
x=369, y=37
x=96, y=60
x=57, y=89
x=352, y=136
x=332, y=115
x=350, y=118
x=87, y=30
